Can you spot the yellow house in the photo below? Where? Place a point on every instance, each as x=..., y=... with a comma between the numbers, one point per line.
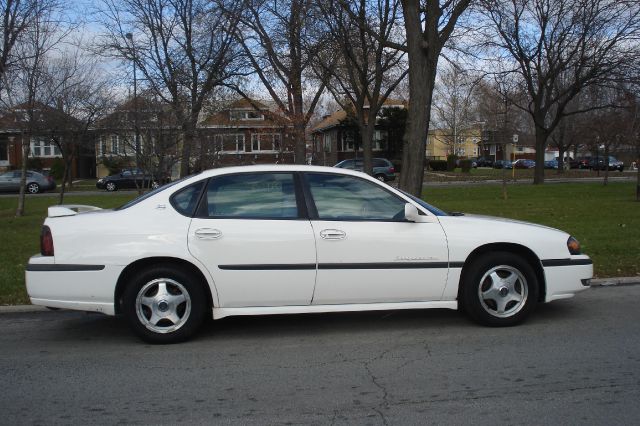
x=463, y=143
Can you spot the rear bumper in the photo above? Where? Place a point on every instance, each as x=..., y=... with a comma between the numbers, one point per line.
x=565, y=279
x=79, y=287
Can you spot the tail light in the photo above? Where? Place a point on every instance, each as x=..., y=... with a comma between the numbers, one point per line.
x=46, y=242
x=392, y=169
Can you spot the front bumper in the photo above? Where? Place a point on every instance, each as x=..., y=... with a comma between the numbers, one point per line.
x=566, y=277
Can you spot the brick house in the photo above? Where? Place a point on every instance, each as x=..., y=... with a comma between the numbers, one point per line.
x=335, y=138
x=49, y=125
x=244, y=132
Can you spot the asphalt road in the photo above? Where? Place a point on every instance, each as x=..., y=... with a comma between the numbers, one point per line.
x=574, y=362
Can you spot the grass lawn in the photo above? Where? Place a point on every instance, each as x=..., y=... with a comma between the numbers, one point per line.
x=606, y=220
x=21, y=237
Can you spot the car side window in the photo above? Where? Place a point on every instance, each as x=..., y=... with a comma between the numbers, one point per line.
x=339, y=197
x=186, y=200
x=251, y=196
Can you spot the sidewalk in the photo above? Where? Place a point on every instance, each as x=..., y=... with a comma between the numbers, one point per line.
x=599, y=282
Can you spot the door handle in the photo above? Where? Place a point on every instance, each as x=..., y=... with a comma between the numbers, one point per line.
x=208, y=233
x=332, y=234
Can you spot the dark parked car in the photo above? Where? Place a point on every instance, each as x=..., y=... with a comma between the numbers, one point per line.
x=383, y=169
x=551, y=164
x=524, y=164
x=484, y=162
x=600, y=164
x=502, y=164
x=36, y=182
x=131, y=179
x=583, y=163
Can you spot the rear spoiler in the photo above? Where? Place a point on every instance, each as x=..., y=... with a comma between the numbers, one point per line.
x=70, y=210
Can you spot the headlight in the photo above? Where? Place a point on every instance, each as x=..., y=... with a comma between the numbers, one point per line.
x=573, y=245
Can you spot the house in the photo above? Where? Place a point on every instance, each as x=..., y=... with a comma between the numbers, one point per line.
x=444, y=142
x=507, y=145
x=336, y=137
x=244, y=132
x=144, y=125
x=48, y=129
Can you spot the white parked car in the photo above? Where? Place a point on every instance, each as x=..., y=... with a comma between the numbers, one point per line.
x=264, y=240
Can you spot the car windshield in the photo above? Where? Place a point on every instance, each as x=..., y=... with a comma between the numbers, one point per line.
x=151, y=193
x=436, y=211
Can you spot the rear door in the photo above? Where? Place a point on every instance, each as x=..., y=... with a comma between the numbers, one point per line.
x=252, y=233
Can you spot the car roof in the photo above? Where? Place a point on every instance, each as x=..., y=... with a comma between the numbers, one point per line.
x=277, y=168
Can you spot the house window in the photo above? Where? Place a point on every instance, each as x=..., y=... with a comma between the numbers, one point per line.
x=348, y=141
x=327, y=142
x=230, y=144
x=115, y=145
x=246, y=115
x=379, y=140
x=265, y=142
x=492, y=150
x=461, y=151
x=41, y=147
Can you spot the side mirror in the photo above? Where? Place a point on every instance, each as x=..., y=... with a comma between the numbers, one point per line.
x=412, y=214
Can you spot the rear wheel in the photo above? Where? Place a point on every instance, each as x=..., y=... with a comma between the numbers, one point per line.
x=165, y=305
x=111, y=186
x=33, y=188
x=380, y=177
x=499, y=289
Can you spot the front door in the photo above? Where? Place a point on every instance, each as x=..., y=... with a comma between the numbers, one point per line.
x=251, y=234
x=367, y=251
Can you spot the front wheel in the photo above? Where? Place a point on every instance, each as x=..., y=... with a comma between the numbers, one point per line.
x=33, y=188
x=165, y=305
x=111, y=186
x=381, y=178
x=499, y=289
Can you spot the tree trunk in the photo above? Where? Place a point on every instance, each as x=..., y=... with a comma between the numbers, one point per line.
x=541, y=144
x=605, y=162
x=561, y=152
x=65, y=177
x=300, y=147
x=367, y=128
x=638, y=179
x=185, y=156
x=23, y=179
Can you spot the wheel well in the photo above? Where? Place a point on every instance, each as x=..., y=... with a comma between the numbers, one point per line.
x=130, y=270
x=518, y=249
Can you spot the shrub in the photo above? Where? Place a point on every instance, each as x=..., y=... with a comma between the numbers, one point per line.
x=451, y=162
x=466, y=165
x=57, y=169
x=438, y=165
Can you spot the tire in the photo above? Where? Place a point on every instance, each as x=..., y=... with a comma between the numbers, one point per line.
x=499, y=289
x=33, y=188
x=164, y=304
x=155, y=185
x=381, y=178
x=111, y=186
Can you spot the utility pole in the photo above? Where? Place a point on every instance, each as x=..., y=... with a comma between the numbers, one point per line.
x=129, y=36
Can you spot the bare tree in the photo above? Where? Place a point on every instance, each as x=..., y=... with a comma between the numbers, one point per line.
x=428, y=25
x=17, y=17
x=559, y=48
x=279, y=39
x=183, y=48
x=454, y=104
x=80, y=95
x=359, y=69
x=46, y=31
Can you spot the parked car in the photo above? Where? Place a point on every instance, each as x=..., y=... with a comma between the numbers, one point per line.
x=383, y=169
x=286, y=239
x=502, y=164
x=584, y=163
x=484, y=162
x=524, y=164
x=131, y=179
x=474, y=163
x=36, y=182
x=551, y=164
x=598, y=163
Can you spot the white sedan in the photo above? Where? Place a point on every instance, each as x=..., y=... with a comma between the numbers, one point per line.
x=265, y=240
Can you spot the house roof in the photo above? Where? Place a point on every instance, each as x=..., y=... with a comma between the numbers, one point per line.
x=339, y=116
x=46, y=118
x=222, y=119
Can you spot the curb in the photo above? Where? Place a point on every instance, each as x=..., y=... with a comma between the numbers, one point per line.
x=598, y=282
